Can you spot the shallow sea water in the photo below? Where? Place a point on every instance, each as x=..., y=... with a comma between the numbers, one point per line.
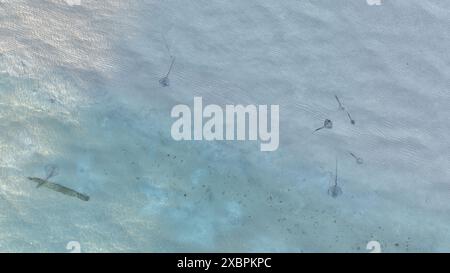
x=79, y=89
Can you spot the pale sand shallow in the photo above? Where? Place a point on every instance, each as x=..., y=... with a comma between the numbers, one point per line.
x=79, y=88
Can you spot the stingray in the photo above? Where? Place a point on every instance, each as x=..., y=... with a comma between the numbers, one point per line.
x=342, y=108
x=352, y=121
x=328, y=124
x=358, y=159
x=165, y=81
x=51, y=171
x=334, y=191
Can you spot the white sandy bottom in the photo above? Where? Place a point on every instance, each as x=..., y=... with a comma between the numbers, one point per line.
x=106, y=125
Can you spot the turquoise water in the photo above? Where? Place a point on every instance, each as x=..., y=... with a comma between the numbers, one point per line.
x=79, y=90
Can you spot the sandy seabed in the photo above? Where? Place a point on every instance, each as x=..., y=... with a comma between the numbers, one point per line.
x=79, y=89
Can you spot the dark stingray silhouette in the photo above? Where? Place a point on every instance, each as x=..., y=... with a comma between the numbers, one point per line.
x=328, y=124
x=334, y=191
x=165, y=81
x=358, y=159
x=342, y=108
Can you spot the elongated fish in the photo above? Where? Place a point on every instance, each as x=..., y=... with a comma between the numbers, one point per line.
x=59, y=188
